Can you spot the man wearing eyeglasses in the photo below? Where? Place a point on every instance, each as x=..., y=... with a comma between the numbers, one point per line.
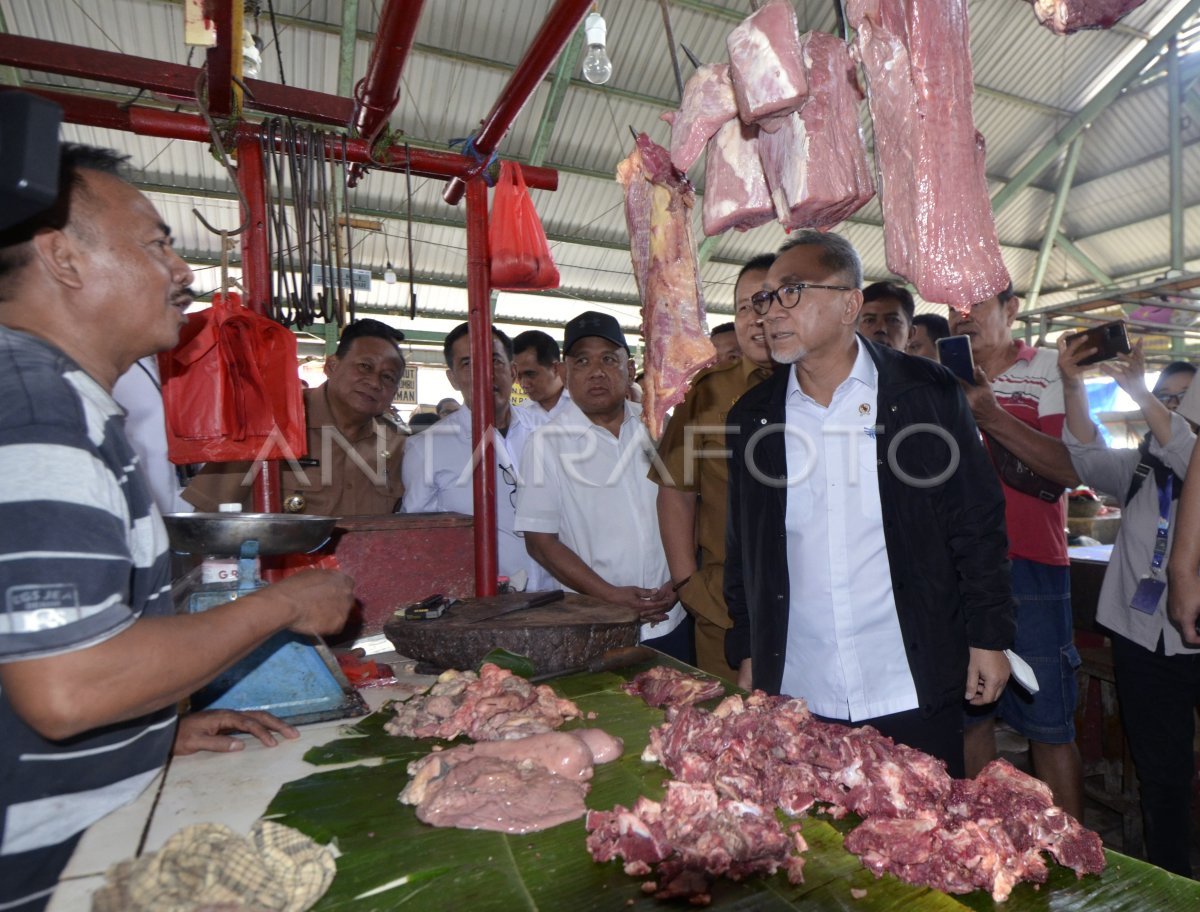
x=866, y=568
x=438, y=466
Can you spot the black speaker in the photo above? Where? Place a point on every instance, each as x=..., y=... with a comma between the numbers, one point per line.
x=28, y=156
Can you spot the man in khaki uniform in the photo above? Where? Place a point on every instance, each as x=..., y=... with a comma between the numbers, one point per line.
x=352, y=467
x=692, y=475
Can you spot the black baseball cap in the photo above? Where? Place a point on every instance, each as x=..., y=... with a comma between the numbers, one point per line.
x=594, y=323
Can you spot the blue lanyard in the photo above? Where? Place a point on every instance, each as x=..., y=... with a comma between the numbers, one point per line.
x=1160, y=537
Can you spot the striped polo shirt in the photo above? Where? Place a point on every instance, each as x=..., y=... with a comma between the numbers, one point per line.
x=83, y=554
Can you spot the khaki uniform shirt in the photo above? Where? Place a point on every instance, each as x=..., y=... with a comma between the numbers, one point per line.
x=338, y=476
x=695, y=461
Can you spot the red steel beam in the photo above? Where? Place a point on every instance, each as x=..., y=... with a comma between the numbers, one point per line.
x=377, y=92
x=483, y=410
x=256, y=257
x=220, y=58
x=93, y=112
x=556, y=31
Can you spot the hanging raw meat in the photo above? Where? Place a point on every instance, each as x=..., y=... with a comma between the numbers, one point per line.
x=767, y=64
x=1065, y=16
x=708, y=103
x=816, y=163
x=658, y=211
x=735, y=190
x=937, y=217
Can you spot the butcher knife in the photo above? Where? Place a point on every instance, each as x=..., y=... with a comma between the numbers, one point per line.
x=535, y=600
x=622, y=657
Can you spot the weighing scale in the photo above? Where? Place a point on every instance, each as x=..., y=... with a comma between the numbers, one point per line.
x=291, y=675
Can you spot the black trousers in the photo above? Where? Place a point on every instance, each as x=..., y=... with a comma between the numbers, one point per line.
x=1158, y=696
x=940, y=735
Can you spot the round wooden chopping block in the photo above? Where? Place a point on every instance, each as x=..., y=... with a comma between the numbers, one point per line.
x=560, y=635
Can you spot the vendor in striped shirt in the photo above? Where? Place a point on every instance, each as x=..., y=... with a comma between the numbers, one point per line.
x=92, y=658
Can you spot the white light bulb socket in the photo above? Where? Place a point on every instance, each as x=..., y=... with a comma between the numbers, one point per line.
x=595, y=29
x=389, y=275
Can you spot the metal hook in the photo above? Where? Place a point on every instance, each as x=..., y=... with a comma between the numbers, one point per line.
x=690, y=56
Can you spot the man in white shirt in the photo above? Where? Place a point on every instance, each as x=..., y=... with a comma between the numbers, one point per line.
x=139, y=392
x=438, y=464
x=866, y=567
x=539, y=367
x=585, y=504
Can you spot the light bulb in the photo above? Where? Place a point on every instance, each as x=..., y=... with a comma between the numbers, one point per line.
x=389, y=275
x=597, y=68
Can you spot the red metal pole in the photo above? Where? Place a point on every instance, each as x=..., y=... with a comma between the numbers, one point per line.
x=483, y=417
x=220, y=59
x=376, y=94
x=556, y=31
x=95, y=112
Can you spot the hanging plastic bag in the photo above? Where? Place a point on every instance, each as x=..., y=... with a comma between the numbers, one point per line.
x=231, y=390
x=520, y=256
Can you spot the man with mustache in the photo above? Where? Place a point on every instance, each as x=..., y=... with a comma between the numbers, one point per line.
x=693, y=475
x=93, y=657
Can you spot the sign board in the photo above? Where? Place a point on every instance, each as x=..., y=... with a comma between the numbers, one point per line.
x=360, y=279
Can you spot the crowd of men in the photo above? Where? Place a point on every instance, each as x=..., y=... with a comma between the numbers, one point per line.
x=829, y=513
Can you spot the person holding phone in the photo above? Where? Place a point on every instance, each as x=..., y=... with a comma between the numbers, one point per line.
x=1017, y=402
x=1157, y=674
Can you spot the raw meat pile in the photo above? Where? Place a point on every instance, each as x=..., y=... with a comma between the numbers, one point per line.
x=919, y=824
x=663, y=686
x=1065, y=16
x=520, y=786
x=494, y=705
x=658, y=206
x=693, y=836
x=937, y=216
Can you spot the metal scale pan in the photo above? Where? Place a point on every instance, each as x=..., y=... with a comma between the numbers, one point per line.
x=292, y=676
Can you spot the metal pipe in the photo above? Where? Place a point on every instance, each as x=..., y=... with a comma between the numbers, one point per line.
x=1175, y=134
x=561, y=23
x=348, y=41
x=220, y=58
x=1056, y=214
x=178, y=125
x=483, y=412
x=256, y=259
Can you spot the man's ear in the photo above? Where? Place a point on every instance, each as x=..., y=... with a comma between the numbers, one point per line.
x=453, y=382
x=854, y=305
x=60, y=256
x=331, y=365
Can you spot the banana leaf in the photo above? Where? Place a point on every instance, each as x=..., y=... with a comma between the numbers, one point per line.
x=391, y=861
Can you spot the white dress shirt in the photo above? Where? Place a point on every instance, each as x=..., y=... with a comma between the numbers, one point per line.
x=139, y=392
x=590, y=488
x=437, y=473
x=542, y=416
x=845, y=654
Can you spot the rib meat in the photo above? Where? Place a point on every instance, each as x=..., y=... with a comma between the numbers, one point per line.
x=766, y=64
x=658, y=206
x=663, y=686
x=1065, y=16
x=708, y=103
x=816, y=163
x=938, y=227
x=735, y=188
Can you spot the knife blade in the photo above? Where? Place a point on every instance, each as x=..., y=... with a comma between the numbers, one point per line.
x=1022, y=672
x=536, y=600
x=621, y=657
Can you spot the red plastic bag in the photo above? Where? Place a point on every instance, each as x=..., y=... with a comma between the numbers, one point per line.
x=521, y=258
x=231, y=390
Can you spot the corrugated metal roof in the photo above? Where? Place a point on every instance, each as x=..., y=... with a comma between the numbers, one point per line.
x=1029, y=81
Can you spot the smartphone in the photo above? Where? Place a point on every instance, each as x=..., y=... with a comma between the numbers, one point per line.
x=1109, y=340
x=955, y=354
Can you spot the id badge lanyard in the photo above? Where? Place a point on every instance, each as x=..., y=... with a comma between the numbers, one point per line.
x=1151, y=586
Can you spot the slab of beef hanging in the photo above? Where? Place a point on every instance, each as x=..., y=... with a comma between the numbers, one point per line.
x=707, y=105
x=1065, y=16
x=658, y=211
x=735, y=188
x=816, y=162
x=767, y=64
x=937, y=217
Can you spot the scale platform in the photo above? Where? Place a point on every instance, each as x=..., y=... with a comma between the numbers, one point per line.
x=292, y=676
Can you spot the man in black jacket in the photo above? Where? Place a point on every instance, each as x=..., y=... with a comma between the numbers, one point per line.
x=867, y=567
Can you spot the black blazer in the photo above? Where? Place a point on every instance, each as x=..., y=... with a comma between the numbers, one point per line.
x=943, y=523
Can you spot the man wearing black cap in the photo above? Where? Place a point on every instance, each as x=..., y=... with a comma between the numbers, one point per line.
x=586, y=506
x=352, y=467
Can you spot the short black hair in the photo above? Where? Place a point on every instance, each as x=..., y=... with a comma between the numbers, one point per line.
x=1175, y=367
x=877, y=291
x=1007, y=294
x=936, y=326
x=369, y=329
x=73, y=158
x=723, y=328
x=762, y=262
x=837, y=254
x=544, y=347
x=422, y=420
x=462, y=329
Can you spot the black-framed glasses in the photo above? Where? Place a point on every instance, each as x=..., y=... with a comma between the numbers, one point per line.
x=511, y=481
x=788, y=296
x=1169, y=399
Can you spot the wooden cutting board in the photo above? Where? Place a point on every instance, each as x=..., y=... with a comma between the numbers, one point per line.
x=560, y=635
